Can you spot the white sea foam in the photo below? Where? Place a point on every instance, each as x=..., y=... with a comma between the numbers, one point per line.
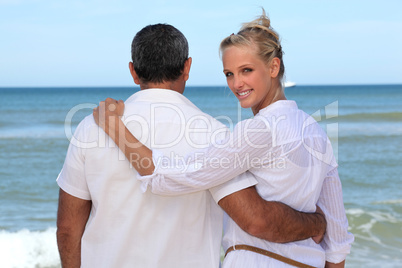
x=377, y=216
x=396, y=201
x=33, y=132
x=27, y=249
x=355, y=211
x=369, y=129
x=373, y=231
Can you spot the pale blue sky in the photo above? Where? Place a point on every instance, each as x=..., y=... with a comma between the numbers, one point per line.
x=87, y=43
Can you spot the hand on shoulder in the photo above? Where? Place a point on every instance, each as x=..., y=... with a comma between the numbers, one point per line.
x=108, y=113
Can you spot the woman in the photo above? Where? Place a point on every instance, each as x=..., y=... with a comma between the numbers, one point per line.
x=284, y=148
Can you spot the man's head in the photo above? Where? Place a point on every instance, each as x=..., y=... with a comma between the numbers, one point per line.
x=159, y=53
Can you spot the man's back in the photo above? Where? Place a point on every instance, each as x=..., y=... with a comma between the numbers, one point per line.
x=129, y=228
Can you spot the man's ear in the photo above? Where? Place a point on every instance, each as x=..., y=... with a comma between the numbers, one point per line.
x=133, y=73
x=187, y=67
x=275, y=66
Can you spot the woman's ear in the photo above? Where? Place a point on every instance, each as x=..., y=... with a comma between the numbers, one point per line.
x=275, y=66
x=133, y=73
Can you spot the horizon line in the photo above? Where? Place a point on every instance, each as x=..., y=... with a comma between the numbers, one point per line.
x=136, y=86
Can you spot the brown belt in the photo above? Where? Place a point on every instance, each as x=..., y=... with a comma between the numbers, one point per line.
x=269, y=254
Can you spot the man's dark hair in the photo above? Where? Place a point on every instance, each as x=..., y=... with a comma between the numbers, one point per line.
x=159, y=52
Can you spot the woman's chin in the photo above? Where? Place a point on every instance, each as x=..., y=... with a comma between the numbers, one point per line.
x=244, y=105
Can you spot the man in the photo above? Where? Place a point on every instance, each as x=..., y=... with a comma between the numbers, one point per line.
x=105, y=219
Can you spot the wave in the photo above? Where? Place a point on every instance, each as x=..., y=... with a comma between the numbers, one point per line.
x=376, y=227
x=38, y=131
x=359, y=117
x=375, y=231
x=370, y=135
x=379, y=216
x=25, y=249
x=377, y=241
x=396, y=201
x=371, y=117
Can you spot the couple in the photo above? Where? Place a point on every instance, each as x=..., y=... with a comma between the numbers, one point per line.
x=108, y=215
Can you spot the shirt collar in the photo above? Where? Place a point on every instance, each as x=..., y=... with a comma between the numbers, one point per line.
x=159, y=95
x=280, y=104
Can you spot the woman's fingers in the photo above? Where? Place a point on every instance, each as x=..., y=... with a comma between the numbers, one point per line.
x=120, y=108
x=114, y=107
x=100, y=115
x=106, y=110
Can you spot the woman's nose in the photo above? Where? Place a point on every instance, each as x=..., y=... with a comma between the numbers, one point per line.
x=238, y=82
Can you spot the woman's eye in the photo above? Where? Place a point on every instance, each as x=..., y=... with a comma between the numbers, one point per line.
x=228, y=74
x=247, y=70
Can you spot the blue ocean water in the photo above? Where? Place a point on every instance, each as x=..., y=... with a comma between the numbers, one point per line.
x=363, y=122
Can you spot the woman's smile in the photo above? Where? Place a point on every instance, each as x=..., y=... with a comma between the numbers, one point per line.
x=243, y=93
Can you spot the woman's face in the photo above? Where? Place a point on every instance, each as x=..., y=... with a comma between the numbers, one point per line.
x=248, y=77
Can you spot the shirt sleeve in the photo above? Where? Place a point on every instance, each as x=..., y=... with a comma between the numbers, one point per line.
x=236, y=184
x=248, y=146
x=72, y=176
x=337, y=240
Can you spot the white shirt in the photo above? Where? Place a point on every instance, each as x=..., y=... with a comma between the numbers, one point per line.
x=128, y=228
x=292, y=159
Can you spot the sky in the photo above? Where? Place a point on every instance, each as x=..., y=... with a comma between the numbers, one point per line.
x=51, y=43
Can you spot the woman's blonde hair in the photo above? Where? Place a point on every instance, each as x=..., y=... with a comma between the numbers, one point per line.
x=260, y=33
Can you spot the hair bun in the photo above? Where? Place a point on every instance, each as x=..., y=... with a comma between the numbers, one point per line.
x=259, y=33
x=262, y=23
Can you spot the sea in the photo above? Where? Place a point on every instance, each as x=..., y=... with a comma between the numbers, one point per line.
x=364, y=123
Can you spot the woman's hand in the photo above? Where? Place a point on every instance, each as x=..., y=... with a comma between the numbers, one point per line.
x=107, y=115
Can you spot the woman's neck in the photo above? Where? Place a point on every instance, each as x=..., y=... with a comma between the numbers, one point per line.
x=278, y=95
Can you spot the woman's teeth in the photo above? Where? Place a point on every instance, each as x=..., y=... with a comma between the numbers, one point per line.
x=244, y=93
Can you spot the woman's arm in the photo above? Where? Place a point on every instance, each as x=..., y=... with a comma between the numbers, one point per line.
x=248, y=146
x=337, y=240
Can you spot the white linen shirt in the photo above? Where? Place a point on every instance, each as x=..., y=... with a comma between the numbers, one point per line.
x=292, y=159
x=128, y=228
